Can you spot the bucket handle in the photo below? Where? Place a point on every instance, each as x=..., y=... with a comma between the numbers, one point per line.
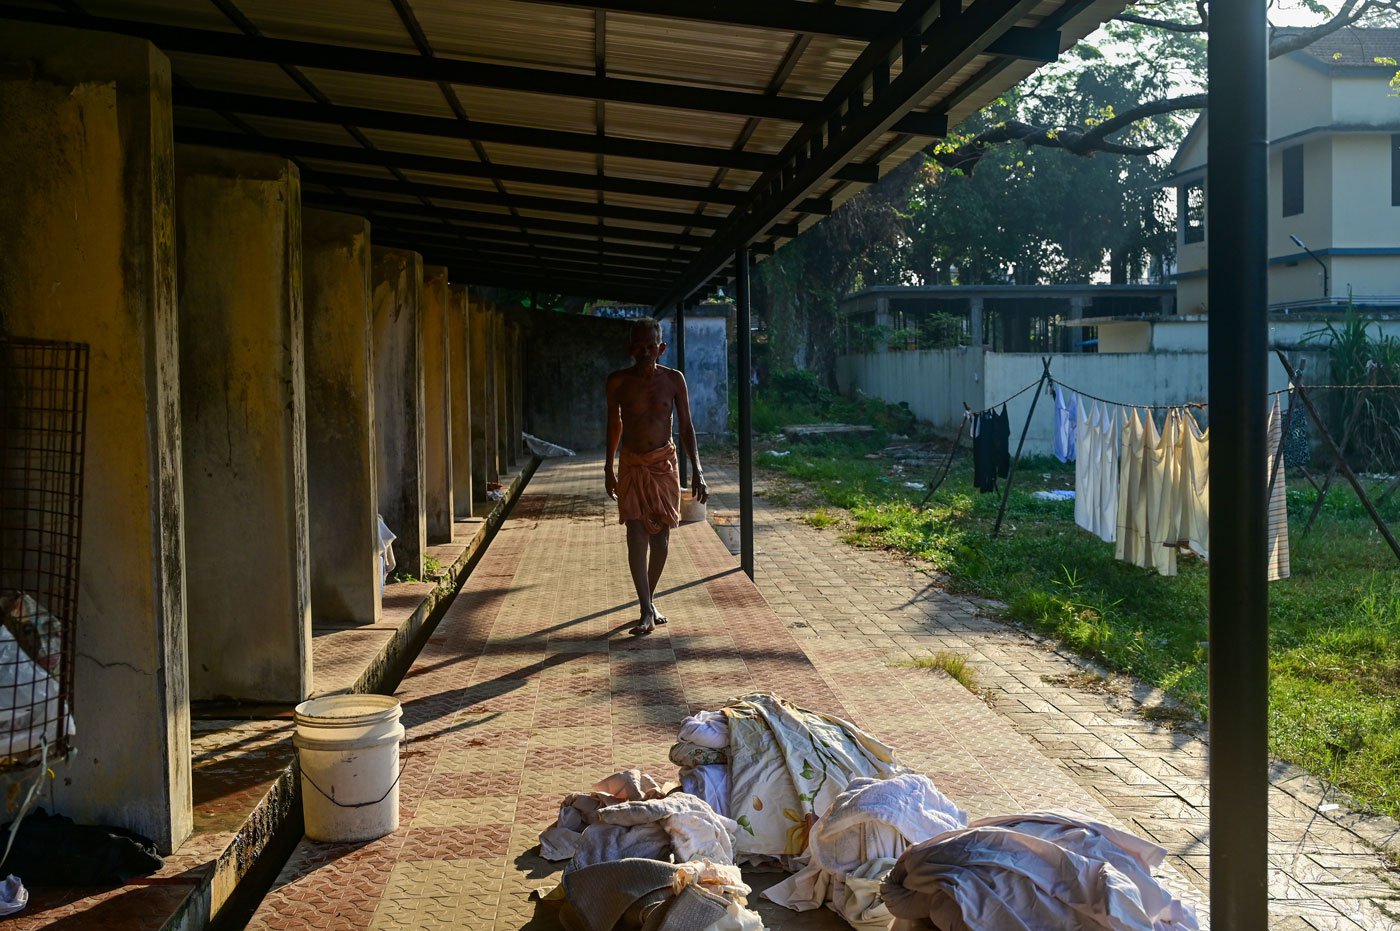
x=353, y=804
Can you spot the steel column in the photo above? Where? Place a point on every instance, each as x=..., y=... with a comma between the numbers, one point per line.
x=742, y=336
x=678, y=332
x=1236, y=231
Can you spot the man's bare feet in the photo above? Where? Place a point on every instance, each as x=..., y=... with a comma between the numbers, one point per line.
x=646, y=625
x=661, y=619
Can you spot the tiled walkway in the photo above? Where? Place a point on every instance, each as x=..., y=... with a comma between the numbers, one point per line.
x=833, y=597
x=531, y=688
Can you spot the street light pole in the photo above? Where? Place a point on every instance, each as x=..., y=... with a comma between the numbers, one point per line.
x=1326, y=285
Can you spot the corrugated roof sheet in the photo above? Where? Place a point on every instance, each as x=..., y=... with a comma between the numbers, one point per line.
x=532, y=98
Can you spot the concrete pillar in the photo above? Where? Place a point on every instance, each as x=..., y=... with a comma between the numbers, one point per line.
x=243, y=409
x=396, y=281
x=483, y=376
x=974, y=310
x=87, y=253
x=503, y=368
x=459, y=367
x=340, y=419
x=437, y=406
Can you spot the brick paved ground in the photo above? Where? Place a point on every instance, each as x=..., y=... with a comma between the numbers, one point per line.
x=530, y=688
x=1326, y=873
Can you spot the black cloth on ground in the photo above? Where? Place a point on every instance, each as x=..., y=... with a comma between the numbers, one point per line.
x=51, y=850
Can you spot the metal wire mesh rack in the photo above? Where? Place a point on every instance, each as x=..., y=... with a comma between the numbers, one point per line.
x=43, y=412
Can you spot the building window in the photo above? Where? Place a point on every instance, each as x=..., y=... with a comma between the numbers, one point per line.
x=1293, y=181
x=1192, y=212
x=1395, y=170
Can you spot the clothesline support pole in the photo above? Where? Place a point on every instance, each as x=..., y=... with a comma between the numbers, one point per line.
x=941, y=475
x=1283, y=434
x=1025, y=428
x=1332, y=468
x=1342, y=465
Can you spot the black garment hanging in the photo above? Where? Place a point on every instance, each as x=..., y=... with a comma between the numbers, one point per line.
x=1297, y=447
x=986, y=456
x=1001, y=442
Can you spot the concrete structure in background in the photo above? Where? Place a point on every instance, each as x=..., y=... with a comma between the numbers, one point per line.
x=340, y=448
x=706, y=363
x=483, y=376
x=459, y=369
x=437, y=406
x=1003, y=317
x=242, y=408
x=396, y=296
x=1334, y=180
x=571, y=357
x=87, y=253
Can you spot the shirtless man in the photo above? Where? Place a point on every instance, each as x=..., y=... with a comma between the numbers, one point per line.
x=647, y=489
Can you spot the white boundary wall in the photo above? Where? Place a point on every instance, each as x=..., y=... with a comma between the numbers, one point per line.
x=935, y=383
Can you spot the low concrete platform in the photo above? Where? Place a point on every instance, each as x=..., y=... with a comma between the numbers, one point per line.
x=531, y=688
x=246, y=806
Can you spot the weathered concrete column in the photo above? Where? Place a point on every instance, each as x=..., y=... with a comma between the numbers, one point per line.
x=396, y=280
x=975, y=310
x=483, y=376
x=243, y=411
x=459, y=368
x=503, y=367
x=437, y=406
x=87, y=253
x=340, y=419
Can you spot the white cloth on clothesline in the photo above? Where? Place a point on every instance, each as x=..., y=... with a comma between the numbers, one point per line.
x=1066, y=416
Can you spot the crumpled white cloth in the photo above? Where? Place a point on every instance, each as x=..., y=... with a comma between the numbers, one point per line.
x=711, y=783
x=695, y=830
x=709, y=729
x=1028, y=872
x=866, y=828
x=562, y=839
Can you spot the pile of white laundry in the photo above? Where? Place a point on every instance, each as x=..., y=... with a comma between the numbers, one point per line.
x=765, y=782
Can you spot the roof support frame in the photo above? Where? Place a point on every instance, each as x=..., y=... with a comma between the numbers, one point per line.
x=438, y=70
x=438, y=164
x=940, y=50
x=783, y=15
x=503, y=133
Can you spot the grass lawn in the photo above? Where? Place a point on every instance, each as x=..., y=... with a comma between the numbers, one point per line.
x=1335, y=624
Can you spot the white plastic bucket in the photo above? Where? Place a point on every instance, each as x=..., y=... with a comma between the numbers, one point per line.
x=348, y=748
x=726, y=524
x=692, y=509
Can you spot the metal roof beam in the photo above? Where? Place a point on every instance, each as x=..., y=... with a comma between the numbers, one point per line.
x=484, y=235
x=520, y=201
x=523, y=252
x=371, y=207
x=451, y=128
x=357, y=155
x=783, y=15
x=366, y=61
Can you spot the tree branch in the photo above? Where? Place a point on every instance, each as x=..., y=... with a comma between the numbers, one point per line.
x=1076, y=141
x=1167, y=24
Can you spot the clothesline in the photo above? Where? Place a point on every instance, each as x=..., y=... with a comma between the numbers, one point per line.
x=1199, y=405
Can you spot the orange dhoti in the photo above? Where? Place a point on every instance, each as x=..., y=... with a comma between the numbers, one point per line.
x=649, y=488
